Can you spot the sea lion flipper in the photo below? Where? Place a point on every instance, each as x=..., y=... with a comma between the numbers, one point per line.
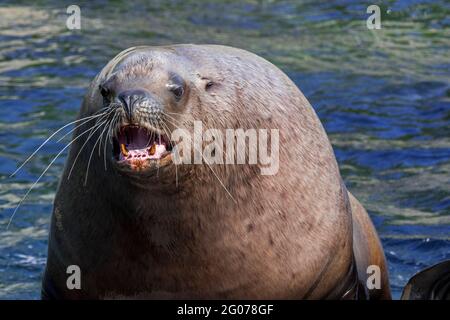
x=433, y=283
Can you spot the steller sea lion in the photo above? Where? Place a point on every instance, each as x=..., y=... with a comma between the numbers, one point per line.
x=139, y=225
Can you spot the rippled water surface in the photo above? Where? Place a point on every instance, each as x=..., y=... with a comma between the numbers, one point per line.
x=383, y=96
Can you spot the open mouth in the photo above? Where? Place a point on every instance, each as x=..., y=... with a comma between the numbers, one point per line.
x=136, y=145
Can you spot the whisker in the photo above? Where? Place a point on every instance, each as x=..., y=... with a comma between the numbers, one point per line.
x=170, y=141
x=207, y=128
x=108, y=135
x=42, y=174
x=151, y=132
x=220, y=181
x=209, y=166
x=49, y=138
x=92, y=152
x=74, y=128
x=81, y=124
x=173, y=119
x=96, y=127
x=106, y=126
x=178, y=114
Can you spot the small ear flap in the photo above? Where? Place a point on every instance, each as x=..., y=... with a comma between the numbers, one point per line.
x=208, y=82
x=208, y=85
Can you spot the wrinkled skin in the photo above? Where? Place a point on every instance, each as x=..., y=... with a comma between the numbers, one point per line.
x=178, y=233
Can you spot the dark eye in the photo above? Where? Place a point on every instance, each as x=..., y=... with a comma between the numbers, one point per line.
x=104, y=91
x=176, y=86
x=177, y=90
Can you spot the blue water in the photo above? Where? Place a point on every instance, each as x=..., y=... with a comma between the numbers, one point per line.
x=382, y=95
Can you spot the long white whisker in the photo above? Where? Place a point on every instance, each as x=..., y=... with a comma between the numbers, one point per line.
x=209, y=166
x=48, y=139
x=81, y=124
x=109, y=128
x=179, y=114
x=176, y=166
x=96, y=127
x=173, y=122
x=108, y=135
x=220, y=181
x=75, y=128
x=92, y=152
x=107, y=124
x=173, y=119
x=42, y=174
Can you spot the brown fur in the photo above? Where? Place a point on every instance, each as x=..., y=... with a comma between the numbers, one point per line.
x=286, y=236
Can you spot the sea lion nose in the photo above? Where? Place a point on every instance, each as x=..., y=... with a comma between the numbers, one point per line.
x=129, y=98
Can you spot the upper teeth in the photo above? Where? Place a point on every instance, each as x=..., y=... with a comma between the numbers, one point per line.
x=123, y=149
x=152, y=149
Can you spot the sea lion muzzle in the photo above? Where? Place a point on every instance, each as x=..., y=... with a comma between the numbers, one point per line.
x=140, y=137
x=131, y=100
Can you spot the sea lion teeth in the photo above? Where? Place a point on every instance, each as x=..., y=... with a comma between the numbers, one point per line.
x=123, y=149
x=152, y=149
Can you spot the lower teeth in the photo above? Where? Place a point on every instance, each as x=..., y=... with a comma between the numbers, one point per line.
x=155, y=151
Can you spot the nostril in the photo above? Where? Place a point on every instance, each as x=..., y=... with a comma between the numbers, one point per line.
x=128, y=99
x=123, y=99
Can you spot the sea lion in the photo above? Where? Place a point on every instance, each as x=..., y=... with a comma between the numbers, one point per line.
x=432, y=283
x=139, y=226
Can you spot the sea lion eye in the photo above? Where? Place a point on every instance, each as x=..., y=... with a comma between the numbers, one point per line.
x=177, y=90
x=104, y=91
x=176, y=85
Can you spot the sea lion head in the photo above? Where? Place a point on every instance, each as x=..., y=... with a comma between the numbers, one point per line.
x=143, y=95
